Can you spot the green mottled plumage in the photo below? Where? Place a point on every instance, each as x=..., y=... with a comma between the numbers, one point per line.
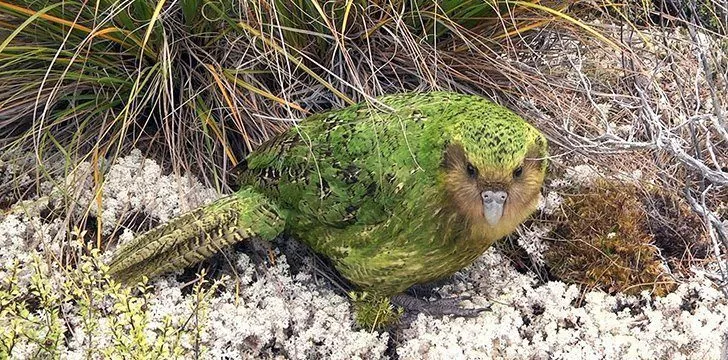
x=196, y=235
x=380, y=190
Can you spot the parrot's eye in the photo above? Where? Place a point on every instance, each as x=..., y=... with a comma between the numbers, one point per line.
x=518, y=172
x=472, y=171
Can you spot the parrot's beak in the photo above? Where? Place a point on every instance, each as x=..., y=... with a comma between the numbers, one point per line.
x=493, y=202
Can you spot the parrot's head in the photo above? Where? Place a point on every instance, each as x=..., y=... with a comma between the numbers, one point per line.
x=493, y=169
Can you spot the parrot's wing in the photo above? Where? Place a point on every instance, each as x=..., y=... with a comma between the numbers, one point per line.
x=197, y=235
x=334, y=169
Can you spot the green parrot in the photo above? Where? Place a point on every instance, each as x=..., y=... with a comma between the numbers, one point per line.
x=404, y=191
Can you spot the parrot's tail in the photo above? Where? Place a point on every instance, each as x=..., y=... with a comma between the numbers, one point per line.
x=197, y=235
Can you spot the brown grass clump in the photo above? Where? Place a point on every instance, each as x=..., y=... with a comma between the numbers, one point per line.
x=603, y=239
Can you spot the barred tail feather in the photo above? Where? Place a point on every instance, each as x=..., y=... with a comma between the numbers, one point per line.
x=197, y=235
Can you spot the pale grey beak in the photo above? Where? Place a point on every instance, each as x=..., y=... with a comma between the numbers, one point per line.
x=493, y=202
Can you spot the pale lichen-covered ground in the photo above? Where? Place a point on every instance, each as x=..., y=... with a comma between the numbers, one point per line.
x=275, y=313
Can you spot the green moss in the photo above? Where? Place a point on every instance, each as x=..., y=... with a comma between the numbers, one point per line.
x=374, y=312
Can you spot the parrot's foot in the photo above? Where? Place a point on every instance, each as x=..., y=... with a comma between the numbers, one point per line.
x=429, y=289
x=437, y=308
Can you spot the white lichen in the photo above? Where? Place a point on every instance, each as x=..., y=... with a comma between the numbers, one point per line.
x=24, y=236
x=550, y=203
x=136, y=184
x=582, y=175
x=531, y=239
x=545, y=322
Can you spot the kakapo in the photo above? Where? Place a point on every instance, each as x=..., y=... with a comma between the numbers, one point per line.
x=402, y=191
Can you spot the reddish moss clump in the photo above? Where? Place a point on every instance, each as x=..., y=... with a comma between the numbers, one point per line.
x=603, y=239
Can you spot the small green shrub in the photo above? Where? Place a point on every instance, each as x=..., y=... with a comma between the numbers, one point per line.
x=86, y=306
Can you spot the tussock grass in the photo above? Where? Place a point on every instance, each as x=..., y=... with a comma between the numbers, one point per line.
x=202, y=83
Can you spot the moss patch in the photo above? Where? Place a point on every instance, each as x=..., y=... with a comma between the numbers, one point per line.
x=602, y=239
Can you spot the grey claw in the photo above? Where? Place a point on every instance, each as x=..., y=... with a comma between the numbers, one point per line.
x=448, y=302
x=449, y=306
x=469, y=312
